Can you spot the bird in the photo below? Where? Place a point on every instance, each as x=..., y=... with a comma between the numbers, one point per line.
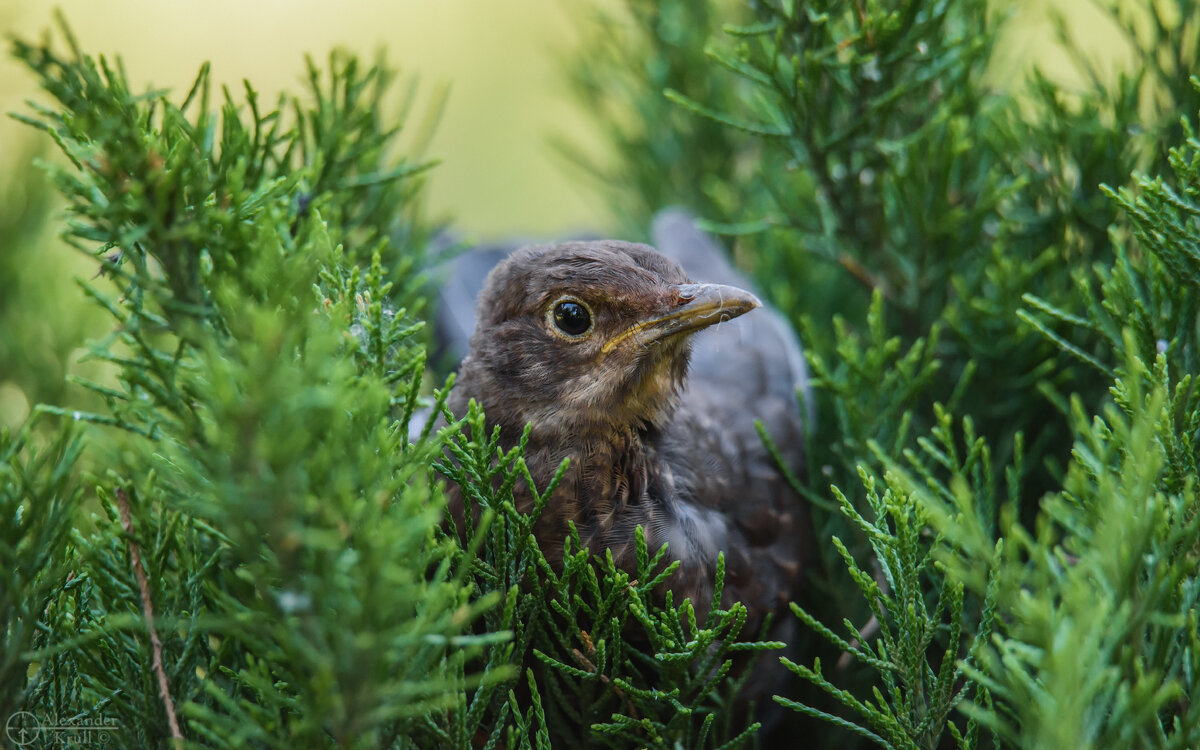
x=637, y=364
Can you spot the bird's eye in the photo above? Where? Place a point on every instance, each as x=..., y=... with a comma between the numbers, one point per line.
x=571, y=317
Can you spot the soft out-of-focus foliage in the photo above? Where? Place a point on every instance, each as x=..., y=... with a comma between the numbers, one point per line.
x=636, y=50
x=42, y=327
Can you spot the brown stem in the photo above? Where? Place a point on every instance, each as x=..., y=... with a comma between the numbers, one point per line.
x=872, y=626
x=135, y=553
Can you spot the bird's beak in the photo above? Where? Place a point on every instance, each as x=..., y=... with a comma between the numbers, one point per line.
x=694, y=306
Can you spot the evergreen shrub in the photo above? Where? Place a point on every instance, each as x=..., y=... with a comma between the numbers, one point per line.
x=233, y=535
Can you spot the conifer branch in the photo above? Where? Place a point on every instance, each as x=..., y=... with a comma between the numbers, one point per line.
x=139, y=571
x=943, y=241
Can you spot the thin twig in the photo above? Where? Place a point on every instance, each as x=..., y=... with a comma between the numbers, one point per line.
x=872, y=626
x=864, y=634
x=139, y=571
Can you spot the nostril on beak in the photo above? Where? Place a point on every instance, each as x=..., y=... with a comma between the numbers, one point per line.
x=685, y=293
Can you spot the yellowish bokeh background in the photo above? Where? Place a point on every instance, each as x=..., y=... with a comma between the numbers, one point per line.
x=500, y=58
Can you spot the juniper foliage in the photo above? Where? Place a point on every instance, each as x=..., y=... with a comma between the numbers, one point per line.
x=40, y=336
x=285, y=526
x=607, y=662
x=263, y=558
x=1001, y=323
x=998, y=335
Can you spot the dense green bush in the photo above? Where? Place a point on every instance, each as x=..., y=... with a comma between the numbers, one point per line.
x=1000, y=344
x=241, y=544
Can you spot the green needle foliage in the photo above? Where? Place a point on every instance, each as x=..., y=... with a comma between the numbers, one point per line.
x=39, y=498
x=1000, y=343
x=648, y=46
x=262, y=564
x=242, y=540
x=264, y=557
x=608, y=662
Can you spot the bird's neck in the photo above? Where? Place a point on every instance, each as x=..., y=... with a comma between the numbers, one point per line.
x=599, y=440
x=622, y=455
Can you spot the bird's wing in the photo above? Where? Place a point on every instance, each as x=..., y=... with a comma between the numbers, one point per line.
x=747, y=369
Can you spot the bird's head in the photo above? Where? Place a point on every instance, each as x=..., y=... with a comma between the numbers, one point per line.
x=588, y=337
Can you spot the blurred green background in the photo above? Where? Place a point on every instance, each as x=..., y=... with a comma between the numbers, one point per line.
x=500, y=60
x=497, y=58
x=500, y=66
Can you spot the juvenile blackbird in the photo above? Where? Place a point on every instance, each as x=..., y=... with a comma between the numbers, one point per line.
x=590, y=343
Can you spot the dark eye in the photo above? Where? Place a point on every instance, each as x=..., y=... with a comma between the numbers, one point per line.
x=571, y=317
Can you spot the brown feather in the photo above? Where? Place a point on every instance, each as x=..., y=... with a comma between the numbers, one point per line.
x=648, y=445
